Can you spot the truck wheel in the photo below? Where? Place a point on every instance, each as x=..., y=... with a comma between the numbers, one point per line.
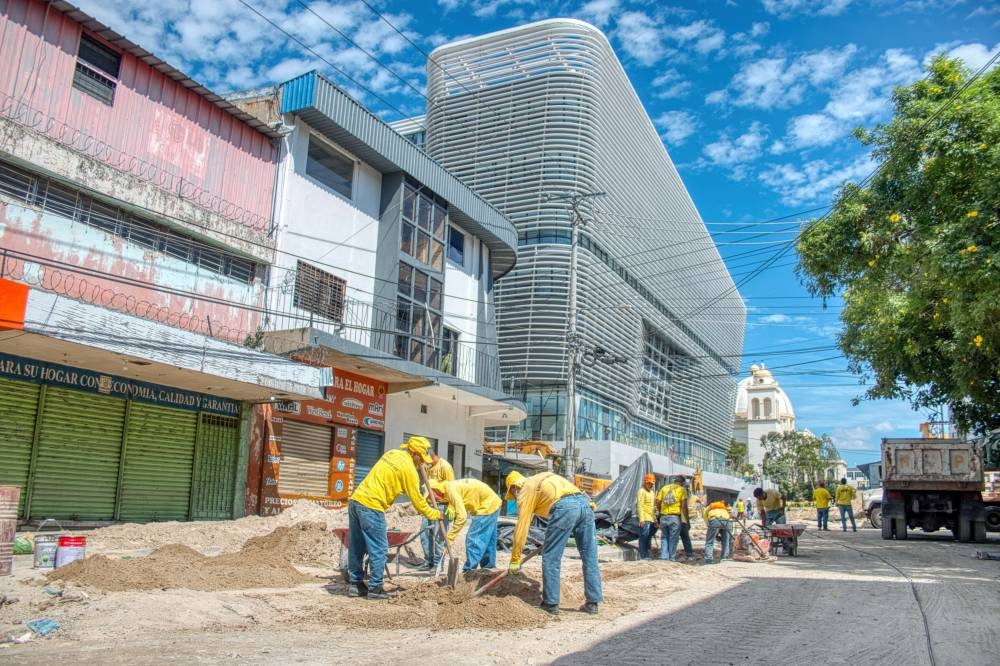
x=875, y=516
x=993, y=518
x=887, y=529
x=964, y=533
x=899, y=528
x=979, y=532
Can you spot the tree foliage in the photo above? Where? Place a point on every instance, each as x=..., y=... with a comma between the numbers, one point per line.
x=915, y=251
x=795, y=461
x=738, y=460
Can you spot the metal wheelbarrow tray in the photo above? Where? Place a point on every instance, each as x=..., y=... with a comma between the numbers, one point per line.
x=786, y=537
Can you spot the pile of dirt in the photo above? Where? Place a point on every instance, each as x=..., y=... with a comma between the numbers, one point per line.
x=176, y=566
x=213, y=537
x=302, y=543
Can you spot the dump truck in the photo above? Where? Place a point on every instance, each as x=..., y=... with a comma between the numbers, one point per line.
x=932, y=484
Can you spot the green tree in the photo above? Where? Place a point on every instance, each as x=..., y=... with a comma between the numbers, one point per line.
x=738, y=460
x=914, y=250
x=795, y=461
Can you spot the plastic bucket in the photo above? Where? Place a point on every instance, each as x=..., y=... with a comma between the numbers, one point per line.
x=9, y=496
x=45, y=550
x=70, y=549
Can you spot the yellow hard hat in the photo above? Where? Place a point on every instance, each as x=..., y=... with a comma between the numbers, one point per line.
x=438, y=488
x=418, y=444
x=514, y=480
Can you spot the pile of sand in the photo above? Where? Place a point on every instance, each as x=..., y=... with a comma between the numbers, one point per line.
x=176, y=566
x=228, y=536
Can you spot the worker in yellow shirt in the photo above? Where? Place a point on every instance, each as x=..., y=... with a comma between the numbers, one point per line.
x=472, y=496
x=719, y=521
x=845, y=502
x=741, y=511
x=821, y=498
x=393, y=474
x=568, y=511
x=430, y=538
x=644, y=514
x=672, y=506
x=771, y=505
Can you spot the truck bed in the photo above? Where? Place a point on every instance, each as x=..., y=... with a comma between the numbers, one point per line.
x=931, y=464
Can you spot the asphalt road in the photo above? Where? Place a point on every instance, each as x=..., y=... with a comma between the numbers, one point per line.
x=850, y=598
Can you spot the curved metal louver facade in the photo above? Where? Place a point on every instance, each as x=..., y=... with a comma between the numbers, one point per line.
x=546, y=109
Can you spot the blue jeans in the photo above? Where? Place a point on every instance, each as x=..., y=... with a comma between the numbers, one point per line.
x=570, y=515
x=774, y=517
x=823, y=518
x=686, y=539
x=645, y=539
x=670, y=527
x=431, y=538
x=718, y=526
x=845, y=511
x=481, y=542
x=366, y=534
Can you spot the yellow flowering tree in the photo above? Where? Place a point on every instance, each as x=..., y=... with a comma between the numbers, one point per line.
x=918, y=248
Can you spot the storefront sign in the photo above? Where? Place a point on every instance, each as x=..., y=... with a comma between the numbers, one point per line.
x=357, y=401
x=41, y=372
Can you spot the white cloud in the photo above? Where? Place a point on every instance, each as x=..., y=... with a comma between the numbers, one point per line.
x=814, y=129
x=775, y=319
x=640, y=37
x=702, y=36
x=734, y=154
x=777, y=82
x=813, y=182
x=599, y=12
x=788, y=8
x=973, y=55
x=676, y=126
x=670, y=84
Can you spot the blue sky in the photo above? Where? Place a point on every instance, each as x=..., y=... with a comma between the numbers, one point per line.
x=755, y=101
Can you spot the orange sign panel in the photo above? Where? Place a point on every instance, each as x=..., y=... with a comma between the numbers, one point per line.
x=13, y=305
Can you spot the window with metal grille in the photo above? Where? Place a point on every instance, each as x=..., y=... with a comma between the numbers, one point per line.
x=97, y=68
x=53, y=198
x=419, y=299
x=319, y=292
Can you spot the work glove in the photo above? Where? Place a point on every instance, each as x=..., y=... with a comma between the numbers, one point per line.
x=514, y=567
x=450, y=513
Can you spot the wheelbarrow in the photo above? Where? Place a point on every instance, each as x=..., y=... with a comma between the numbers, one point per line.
x=397, y=542
x=786, y=537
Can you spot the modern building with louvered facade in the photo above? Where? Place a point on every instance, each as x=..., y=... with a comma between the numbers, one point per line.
x=529, y=116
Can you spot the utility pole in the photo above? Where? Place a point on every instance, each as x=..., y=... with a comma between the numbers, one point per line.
x=572, y=337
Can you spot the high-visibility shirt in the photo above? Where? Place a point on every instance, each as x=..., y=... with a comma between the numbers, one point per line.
x=441, y=471
x=536, y=498
x=771, y=500
x=393, y=474
x=644, y=505
x=740, y=506
x=845, y=494
x=717, y=512
x=670, y=499
x=821, y=497
x=467, y=496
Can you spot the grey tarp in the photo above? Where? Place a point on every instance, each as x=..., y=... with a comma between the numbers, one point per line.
x=615, y=513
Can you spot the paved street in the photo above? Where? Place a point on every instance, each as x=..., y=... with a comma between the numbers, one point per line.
x=847, y=599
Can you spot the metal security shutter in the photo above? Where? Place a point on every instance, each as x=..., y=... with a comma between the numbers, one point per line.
x=305, y=459
x=368, y=452
x=79, y=449
x=159, y=460
x=18, y=409
x=215, y=468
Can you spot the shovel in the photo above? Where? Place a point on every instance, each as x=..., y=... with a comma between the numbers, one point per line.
x=452, y=562
x=503, y=574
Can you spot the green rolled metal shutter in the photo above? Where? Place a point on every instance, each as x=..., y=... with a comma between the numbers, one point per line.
x=305, y=459
x=18, y=411
x=79, y=450
x=159, y=461
x=215, y=468
x=368, y=452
